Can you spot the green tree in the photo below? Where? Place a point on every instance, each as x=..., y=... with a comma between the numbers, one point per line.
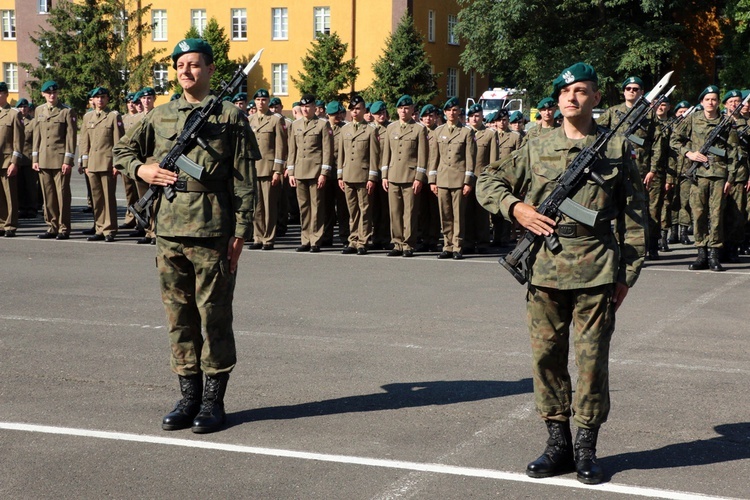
x=219, y=41
x=735, y=70
x=90, y=43
x=404, y=68
x=324, y=71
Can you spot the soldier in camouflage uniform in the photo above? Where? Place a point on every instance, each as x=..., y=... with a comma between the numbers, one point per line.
x=200, y=234
x=585, y=282
x=735, y=212
x=715, y=175
x=668, y=166
x=546, y=123
x=682, y=187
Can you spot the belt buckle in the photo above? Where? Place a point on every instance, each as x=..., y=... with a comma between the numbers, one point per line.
x=567, y=230
x=180, y=186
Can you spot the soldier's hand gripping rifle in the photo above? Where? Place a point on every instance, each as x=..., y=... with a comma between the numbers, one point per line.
x=579, y=170
x=715, y=136
x=175, y=160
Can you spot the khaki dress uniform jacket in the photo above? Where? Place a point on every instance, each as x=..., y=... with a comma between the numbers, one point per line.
x=28, y=178
x=54, y=146
x=381, y=219
x=477, y=226
x=100, y=131
x=11, y=148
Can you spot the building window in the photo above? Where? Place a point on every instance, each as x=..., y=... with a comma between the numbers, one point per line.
x=472, y=83
x=120, y=24
x=321, y=20
x=430, y=25
x=10, y=73
x=280, y=76
x=159, y=20
x=198, y=20
x=452, y=37
x=239, y=24
x=280, y=22
x=161, y=78
x=9, y=25
x=45, y=6
x=452, y=88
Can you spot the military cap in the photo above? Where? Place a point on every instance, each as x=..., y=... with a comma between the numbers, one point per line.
x=320, y=103
x=274, y=101
x=241, y=96
x=501, y=113
x=476, y=108
x=192, y=45
x=681, y=104
x=129, y=96
x=491, y=117
x=99, y=91
x=698, y=107
x=516, y=117
x=226, y=98
x=537, y=116
x=579, y=72
x=377, y=107
x=557, y=115
x=332, y=107
x=632, y=80
x=730, y=94
x=175, y=96
x=546, y=103
x=49, y=86
x=296, y=103
x=307, y=99
x=745, y=93
x=22, y=102
x=259, y=93
x=367, y=106
x=404, y=100
x=427, y=109
x=357, y=99
x=711, y=89
x=251, y=105
x=3, y=87
x=450, y=103
x=137, y=96
x=148, y=91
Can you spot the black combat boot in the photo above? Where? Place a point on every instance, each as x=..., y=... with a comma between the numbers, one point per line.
x=664, y=241
x=732, y=253
x=701, y=262
x=558, y=455
x=674, y=234
x=589, y=472
x=713, y=260
x=211, y=416
x=653, y=248
x=188, y=407
x=684, y=236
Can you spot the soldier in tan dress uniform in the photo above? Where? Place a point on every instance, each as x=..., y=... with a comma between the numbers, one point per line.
x=358, y=161
x=100, y=131
x=477, y=227
x=429, y=212
x=336, y=209
x=53, y=156
x=28, y=178
x=309, y=167
x=451, y=176
x=404, y=172
x=507, y=141
x=381, y=219
x=11, y=147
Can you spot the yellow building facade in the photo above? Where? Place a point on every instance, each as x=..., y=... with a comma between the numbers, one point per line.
x=9, y=48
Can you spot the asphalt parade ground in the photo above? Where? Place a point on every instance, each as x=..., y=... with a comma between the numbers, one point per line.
x=359, y=377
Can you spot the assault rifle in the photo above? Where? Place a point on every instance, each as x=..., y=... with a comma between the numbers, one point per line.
x=716, y=135
x=175, y=160
x=676, y=120
x=636, y=124
x=579, y=170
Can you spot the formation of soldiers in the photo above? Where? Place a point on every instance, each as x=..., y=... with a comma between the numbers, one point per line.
x=394, y=185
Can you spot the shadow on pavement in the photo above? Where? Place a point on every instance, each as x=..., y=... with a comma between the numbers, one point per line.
x=396, y=396
x=733, y=443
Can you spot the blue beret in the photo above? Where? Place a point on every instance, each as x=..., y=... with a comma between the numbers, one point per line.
x=129, y=97
x=320, y=103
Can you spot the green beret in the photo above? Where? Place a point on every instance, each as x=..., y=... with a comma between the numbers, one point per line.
x=320, y=103
x=427, y=109
x=491, y=117
x=377, y=107
x=745, y=93
x=3, y=87
x=632, y=79
x=342, y=109
x=357, y=99
x=557, y=115
x=537, y=116
x=241, y=96
x=546, y=103
x=99, y=91
x=49, y=86
x=226, y=98
x=711, y=89
x=148, y=91
x=295, y=103
x=137, y=96
x=175, y=96
x=259, y=93
x=579, y=72
x=450, y=103
x=22, y=102
x=332, y=108
x=129, y=97
x=516, y=117
x=251, y=105
x=404, y=100
x=476, y=108
x=367, y=106
x=192, y=45
x=275, y=101
x=307, y=99
x=730, y=94
x=681, y=104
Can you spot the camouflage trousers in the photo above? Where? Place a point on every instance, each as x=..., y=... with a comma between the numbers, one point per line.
x=735, y=214
x=655, y=204
x=550, y=313
x=707, y=202
x=197, y=291
x=682, y=204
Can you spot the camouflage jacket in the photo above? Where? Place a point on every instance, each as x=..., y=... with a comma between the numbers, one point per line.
x=587, y=260
x=648, y=157
x=228, y=162
x=536, y=131
x=668, y=168
x=743, y=159
x=692, y=134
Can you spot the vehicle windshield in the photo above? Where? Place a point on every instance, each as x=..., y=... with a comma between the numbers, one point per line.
x=492, y=104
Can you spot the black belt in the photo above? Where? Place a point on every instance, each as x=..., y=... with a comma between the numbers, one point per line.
x=574, y=230
x=190, y=186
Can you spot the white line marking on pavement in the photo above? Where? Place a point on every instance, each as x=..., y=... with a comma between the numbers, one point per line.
x=353, y=460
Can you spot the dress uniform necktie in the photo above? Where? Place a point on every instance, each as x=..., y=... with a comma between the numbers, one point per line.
x=356, y=126
x=451, y=128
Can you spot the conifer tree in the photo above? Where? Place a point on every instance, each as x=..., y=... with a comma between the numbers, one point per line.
x=324, y=71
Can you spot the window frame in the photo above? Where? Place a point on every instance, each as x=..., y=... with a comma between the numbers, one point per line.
x=280, y=86
x=239, y=14
x=325, y=12
x=159, y=31
x=431, y=26
x=201, y=19
x=11, y=81
x=452, y=37
x=284, y=23
x=451, y=81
